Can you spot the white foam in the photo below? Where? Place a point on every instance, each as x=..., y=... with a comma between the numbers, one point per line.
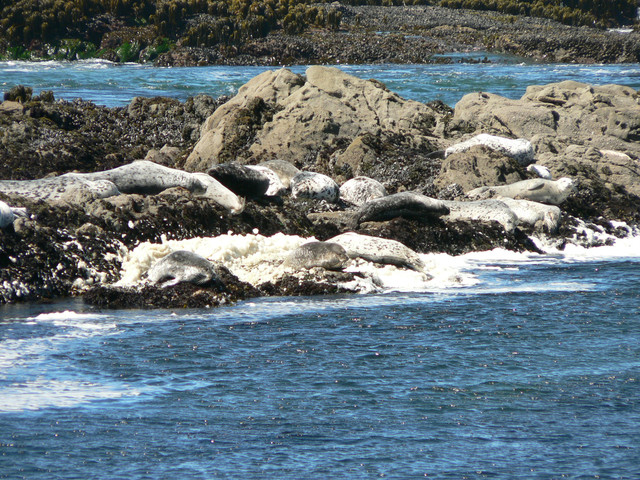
x=253, y=258
x=256, y=259
x=46, y=393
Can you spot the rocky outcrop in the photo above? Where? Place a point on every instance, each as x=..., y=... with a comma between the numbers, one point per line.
x=588, y=133
x=325, y=126
x=306, y=120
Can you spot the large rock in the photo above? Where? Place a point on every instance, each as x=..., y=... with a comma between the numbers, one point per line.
x=606, y=116
x=476, y=167
x=283, y=115
x=585, y=132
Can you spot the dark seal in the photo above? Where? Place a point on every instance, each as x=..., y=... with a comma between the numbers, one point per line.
x=241, y=180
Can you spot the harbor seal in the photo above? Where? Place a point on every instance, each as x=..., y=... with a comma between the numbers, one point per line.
x=6, y=215
x=183, y=266
x=379, y=250
x=360, y=190
x=276, y=187
x=536, y=189
x=540, y=171
x=240, y=179
x=285, y=170
x=141, y=176
x=328, y=255
x=537, y=215
x=315, y=186
x=492, y=210
x=519, y=149
x=403, y=204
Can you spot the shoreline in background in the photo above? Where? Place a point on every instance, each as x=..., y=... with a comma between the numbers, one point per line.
x=372, y=34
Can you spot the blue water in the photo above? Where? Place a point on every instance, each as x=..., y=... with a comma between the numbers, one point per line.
x=115, y=85
x=532, y=373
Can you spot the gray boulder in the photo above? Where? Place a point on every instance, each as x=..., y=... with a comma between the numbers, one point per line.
x=308, y=116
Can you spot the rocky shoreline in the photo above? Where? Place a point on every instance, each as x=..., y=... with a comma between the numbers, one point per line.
x=420, y=34
x=441, y=173
x=374, y=34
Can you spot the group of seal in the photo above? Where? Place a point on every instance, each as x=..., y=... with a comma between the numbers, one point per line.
x=141, y=176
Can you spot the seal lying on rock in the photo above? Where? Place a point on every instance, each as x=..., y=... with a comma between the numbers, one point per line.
x=536, y=189
x=483, y=211
x=8, y=214
x=285, y=170
x=241, y=179
x=537, y=215
x=360, y=190
x=141, y=176
x=183, y=266
x=403, y=204
x=378, y=250
x=276, y=187
x=540, y=171
x=63, y=188
x=316, y=186
x=520, y=149
x=328, y=255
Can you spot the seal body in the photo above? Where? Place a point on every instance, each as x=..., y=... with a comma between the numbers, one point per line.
x=536, y=189
x=328, y=255
x=540, y=171
x=537, y=215
x=276, y=187
x=378, y=250
x=404, y=204
x=183, y=266
x=491, y=210
x=315, y=186
x=141, y=176
x=519, y=149
x=241, y=179
x=285, y=170
x=360, y=190
x=6, y=215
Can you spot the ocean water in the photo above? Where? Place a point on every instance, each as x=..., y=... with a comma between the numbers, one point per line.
x=532, y=372
x=111, y=84
x=507, y=366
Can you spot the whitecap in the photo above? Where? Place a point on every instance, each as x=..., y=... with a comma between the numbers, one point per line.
x=47, y=393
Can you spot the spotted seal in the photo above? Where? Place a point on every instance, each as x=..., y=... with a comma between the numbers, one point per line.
x=276, y=187
x=141, y=176
x=536, y=189
x=403, y=204
x=378, y=250
x=285, y=170
x=328, y=255
x=316, y=186
x=537, y=215
x=360, y=190
x=183, y=266
x=519, y=149
x=491, y=210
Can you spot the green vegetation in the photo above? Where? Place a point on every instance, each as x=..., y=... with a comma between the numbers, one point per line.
x=130, y=30
x=79, y=28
